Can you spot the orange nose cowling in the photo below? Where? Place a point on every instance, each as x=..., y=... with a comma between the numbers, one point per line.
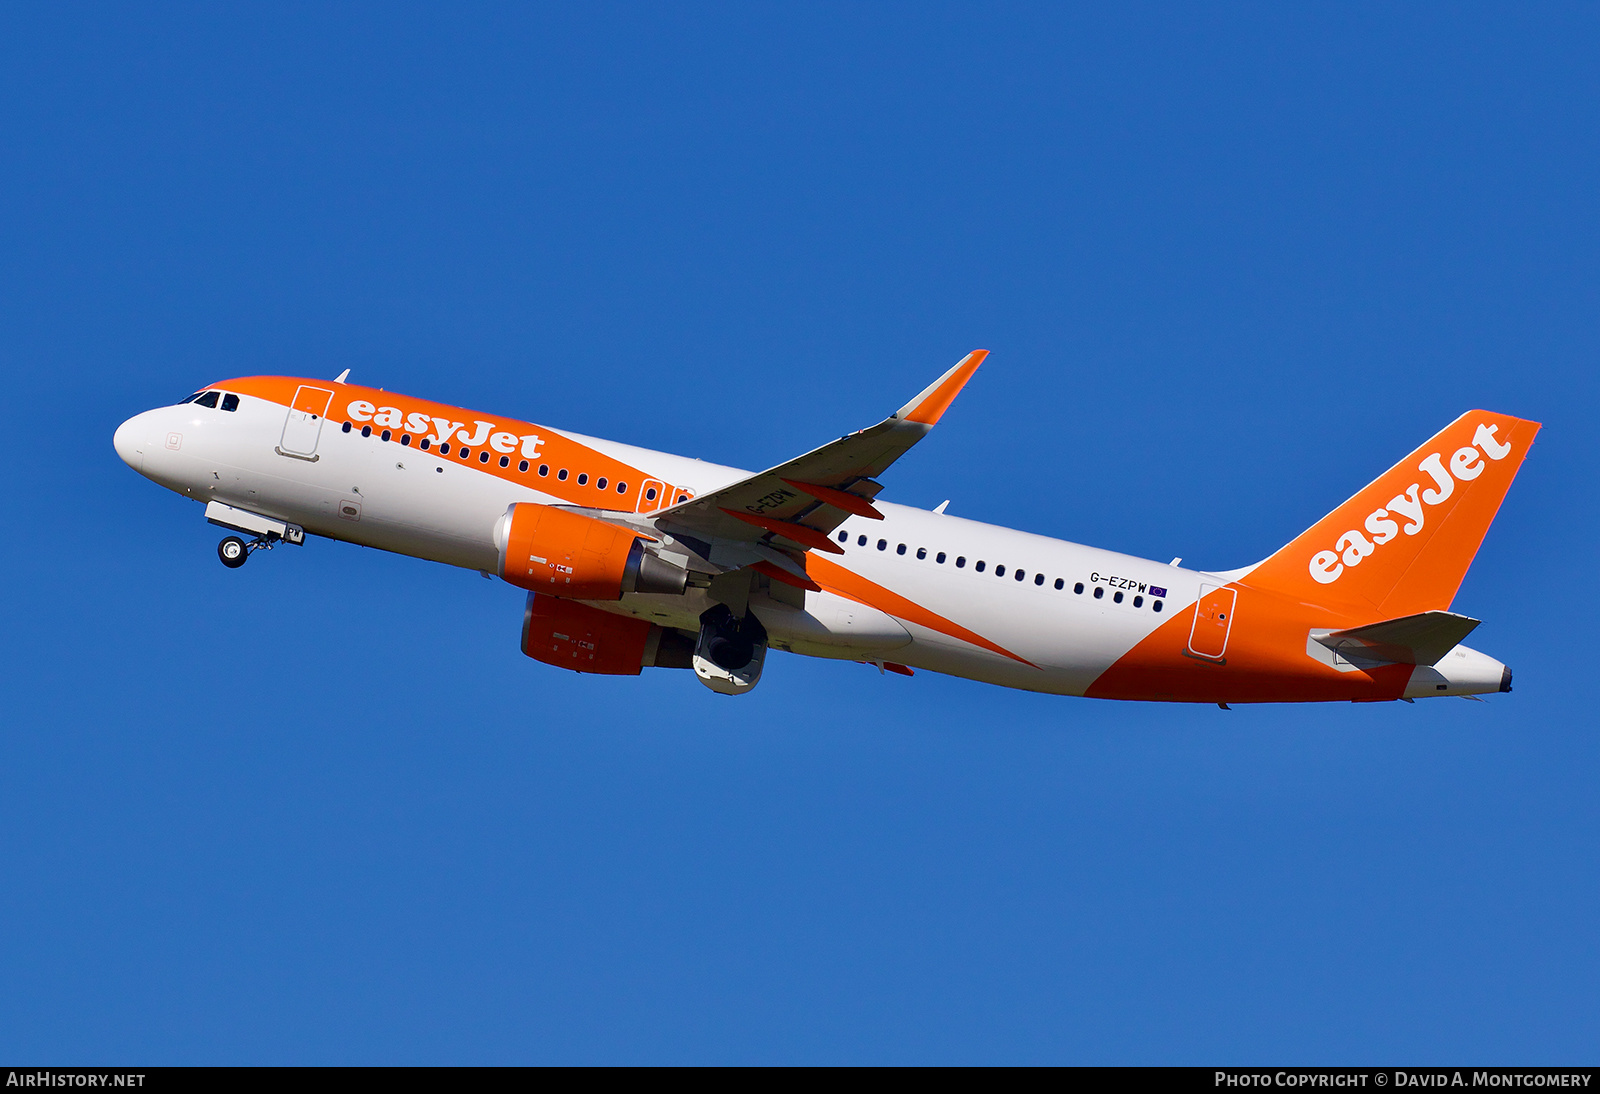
x=564, y=554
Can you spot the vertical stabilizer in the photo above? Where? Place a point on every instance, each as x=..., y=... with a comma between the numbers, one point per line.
x=1402, y=545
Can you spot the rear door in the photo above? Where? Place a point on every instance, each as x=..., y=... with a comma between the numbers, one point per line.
x=303, y=427
x=1213, y=621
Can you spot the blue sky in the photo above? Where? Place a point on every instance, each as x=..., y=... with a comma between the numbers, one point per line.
x=1231, y=265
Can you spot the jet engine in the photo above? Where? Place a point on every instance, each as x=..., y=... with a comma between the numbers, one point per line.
x=585, y=639
x=566, y=554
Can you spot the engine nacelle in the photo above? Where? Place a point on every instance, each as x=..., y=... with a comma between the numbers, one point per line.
x=552, y=551
x=585, y=639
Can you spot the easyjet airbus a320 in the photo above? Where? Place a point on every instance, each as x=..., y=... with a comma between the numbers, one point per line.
x=634, y=558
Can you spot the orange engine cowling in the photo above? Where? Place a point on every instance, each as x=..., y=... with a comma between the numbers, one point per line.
x=566, y=554
x=584, y=639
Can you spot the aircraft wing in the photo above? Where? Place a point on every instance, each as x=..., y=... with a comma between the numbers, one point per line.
x=795, y=505
x=1420, y=639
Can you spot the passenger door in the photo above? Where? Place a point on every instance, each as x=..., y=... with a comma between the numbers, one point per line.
x=303, y=427
x=1213, y=621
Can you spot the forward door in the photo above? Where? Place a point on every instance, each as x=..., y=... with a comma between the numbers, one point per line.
x=303, y=427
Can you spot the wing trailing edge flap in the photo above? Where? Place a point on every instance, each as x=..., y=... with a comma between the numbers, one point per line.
x=794, y=507
x=1420, y=639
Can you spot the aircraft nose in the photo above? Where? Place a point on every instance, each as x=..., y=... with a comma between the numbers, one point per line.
x=129, y=441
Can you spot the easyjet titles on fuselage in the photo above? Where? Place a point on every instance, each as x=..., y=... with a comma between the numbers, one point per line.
x=438, y=430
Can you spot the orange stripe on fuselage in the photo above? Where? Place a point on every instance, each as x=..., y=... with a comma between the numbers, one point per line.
x=846, y=583
x=554, y=450
x=1265, y=660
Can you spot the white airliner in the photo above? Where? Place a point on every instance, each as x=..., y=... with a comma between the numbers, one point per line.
x=635, y=558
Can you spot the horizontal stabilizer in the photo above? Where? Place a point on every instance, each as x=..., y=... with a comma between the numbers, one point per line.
x=1410, y=640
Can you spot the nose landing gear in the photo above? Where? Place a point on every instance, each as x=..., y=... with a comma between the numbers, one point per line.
x=266, y=532
x=235, y=552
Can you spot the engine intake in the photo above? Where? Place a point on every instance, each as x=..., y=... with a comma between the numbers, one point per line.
x=552, y=551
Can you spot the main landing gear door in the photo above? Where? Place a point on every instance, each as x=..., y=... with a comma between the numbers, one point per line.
x=1213, y=620
x=303, y=427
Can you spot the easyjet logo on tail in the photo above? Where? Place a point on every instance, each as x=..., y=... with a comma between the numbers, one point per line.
x=1411, y=507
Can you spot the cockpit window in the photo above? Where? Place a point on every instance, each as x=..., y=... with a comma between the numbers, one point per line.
x=230, y=401
x=191, y=398
x=208, y=400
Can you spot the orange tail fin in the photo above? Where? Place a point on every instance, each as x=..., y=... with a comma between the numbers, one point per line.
x=1403, y=544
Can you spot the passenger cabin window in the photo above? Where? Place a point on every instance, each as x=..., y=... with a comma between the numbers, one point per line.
x=1078, y=588
x=922, y=552
x=1117, y=599
x=600, y=483
x=961, y=560
x=900, y=550
x=1062, y=584
x=883, y=545
x=209, y=400
x=562, y=474
x=230, y=402
x=861, y=541
x=939, y=558
x=1099, y=592
x=583, y=478
x=979, y=567
x=844, y=536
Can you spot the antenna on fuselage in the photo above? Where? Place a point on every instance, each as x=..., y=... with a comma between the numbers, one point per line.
x=339, y=379
x=940, y=507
